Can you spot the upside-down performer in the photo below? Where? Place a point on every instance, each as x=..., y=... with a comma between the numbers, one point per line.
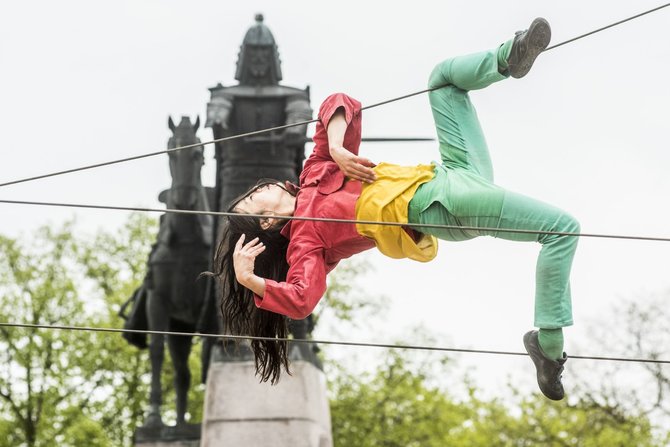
x=274, y=269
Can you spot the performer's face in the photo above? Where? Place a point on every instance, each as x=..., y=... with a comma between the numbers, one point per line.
x=269, y=199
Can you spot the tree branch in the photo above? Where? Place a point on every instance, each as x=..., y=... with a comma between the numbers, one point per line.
x=48, y=361
x=8, y=397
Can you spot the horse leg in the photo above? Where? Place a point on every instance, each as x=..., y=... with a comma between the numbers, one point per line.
x=157, y=315
x=180, y=348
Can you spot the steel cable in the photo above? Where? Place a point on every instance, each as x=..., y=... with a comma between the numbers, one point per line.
x=339, y=221
x=286, y=126
x=320, y=342
x=323, y=342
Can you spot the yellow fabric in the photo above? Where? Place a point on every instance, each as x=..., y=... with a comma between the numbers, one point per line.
x=387, y=199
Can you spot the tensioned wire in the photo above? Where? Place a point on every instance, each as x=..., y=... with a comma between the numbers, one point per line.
x=339, y=221
x=320, y=342
x=301, y=123
x=324, y=342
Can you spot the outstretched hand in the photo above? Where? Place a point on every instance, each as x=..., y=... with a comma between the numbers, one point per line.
x=353, y=166
x=244, y=258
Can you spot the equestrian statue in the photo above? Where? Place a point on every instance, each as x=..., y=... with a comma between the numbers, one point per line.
x=172, y=297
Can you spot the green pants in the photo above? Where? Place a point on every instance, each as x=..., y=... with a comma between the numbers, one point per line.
x=463, y=194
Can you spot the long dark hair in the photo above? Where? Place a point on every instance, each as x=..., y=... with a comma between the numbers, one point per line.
x=238, y=309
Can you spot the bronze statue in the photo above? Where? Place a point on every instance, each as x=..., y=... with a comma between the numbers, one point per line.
x=258, y=102
x=172, y=297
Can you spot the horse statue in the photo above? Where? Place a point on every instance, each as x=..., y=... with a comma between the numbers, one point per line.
x=172, y=297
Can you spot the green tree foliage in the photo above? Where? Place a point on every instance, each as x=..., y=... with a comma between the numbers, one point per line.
x=392, y=407
x=636, y=328
x=398, y=405
x=344, y=298
x=74, y=389
x=71, y=388
x=46, y=376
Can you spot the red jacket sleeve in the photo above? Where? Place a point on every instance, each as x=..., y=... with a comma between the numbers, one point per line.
x=306, y=278
x=334, y=102
x=352, y=115
x=320, y=162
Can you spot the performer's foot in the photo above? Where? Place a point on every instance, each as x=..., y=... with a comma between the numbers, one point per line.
x=548, y=370
x=527, y=46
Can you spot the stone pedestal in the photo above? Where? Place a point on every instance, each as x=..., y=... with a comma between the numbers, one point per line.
x=168, y=444
x=240, y=411
x=185, y=435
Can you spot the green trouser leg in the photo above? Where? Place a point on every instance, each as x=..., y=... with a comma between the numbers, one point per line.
x=463, y=194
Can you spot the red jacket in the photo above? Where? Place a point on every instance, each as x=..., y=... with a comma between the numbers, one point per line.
x=315, y=248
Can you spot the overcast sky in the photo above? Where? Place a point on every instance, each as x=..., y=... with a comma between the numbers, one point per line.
x=83, y=82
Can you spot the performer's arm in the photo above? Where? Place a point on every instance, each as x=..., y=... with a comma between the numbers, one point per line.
x=305, y=283
x=353, y=166
x=304, y=286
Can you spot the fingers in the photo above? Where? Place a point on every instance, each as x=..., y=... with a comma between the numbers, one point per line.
x=366, y=162
x=254, y=247
x=361, y=176
x=238, y=244
x=244, y=257
x=360, y=170
x=353, y=166
x=253, y=244
x=257, y=250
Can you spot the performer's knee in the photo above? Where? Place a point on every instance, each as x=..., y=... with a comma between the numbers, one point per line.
x=569, y=224
x=564, y=223
x=439, y=76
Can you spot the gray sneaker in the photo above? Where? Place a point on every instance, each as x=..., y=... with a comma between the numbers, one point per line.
x=527, y=46
x=548, y=370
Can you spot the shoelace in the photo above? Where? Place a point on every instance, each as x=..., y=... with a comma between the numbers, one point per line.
x=559, y=376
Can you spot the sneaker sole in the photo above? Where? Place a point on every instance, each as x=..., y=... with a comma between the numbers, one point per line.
x=539, y=36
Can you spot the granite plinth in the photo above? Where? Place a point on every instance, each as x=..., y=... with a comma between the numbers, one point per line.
x=240, y=411
x=184, y=435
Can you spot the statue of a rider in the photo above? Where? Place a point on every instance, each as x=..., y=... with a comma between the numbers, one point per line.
x=259, y=102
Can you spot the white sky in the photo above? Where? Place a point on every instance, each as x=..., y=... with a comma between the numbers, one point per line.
x=83, y=82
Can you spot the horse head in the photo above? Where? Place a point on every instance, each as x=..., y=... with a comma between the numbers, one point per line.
x=185, y=164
